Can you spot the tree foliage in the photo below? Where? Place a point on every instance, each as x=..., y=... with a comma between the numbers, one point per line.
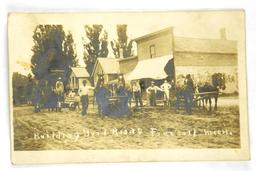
x=52, y=50
x=69, y=51
x=20, y=88
x=95, y=46
x=122, y=42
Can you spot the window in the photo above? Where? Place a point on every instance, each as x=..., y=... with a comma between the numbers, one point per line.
x=152, y=50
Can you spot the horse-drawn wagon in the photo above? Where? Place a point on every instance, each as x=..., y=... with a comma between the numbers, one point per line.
x=113, y=97
x=71, y=102
x=203, y=93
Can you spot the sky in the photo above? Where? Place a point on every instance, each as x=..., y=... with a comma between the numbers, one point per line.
x=196, y=24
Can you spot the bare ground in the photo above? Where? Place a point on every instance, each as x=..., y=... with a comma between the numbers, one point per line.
x=146, y=128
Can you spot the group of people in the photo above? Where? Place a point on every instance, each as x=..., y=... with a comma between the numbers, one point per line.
x=47, y=96
x=171, y=93
x=135, y=92
x=54, y=95
x=167, y=89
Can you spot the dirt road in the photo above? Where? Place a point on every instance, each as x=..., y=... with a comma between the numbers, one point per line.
x=147, y=128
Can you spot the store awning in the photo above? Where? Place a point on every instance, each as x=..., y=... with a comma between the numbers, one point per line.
x=150, y=68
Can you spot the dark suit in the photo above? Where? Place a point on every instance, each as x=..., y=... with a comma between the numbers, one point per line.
x=188, y=95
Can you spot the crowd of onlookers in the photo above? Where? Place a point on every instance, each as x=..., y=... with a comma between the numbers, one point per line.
x=54, y=98
x=172, y=93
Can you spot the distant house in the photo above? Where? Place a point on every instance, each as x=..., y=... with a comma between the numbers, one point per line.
x=112, y=67
x=107, y=66
x=198, y=57
x=77, y=75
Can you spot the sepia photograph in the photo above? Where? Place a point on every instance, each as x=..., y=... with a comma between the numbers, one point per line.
x=127, y=86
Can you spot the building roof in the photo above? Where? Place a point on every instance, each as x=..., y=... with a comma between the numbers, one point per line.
x=144, y=68
x=127, y=58
x=183, y=44
x=109, y=65
x=80, y=72
x=165, y=30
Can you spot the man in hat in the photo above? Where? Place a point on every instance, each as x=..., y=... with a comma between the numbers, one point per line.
x=188, y=94
x=151, y=91
x=83, y=93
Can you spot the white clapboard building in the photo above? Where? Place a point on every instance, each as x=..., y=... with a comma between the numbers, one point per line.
x=77, y=75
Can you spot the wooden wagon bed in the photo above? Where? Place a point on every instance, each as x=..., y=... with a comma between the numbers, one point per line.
x=71, y=102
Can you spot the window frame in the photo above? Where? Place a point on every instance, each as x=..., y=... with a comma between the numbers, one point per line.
x=151, y=53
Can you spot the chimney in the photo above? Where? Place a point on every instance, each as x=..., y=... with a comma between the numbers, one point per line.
x=223, y=35
x=121, y=53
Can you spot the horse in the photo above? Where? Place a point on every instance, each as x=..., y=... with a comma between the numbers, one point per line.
x=101, y=93
x=124, y=91
x=218, y=84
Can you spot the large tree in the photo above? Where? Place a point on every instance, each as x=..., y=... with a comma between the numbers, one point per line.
x=122, y=42
x=69, y=51
x=95, y=45
x=52, y=50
